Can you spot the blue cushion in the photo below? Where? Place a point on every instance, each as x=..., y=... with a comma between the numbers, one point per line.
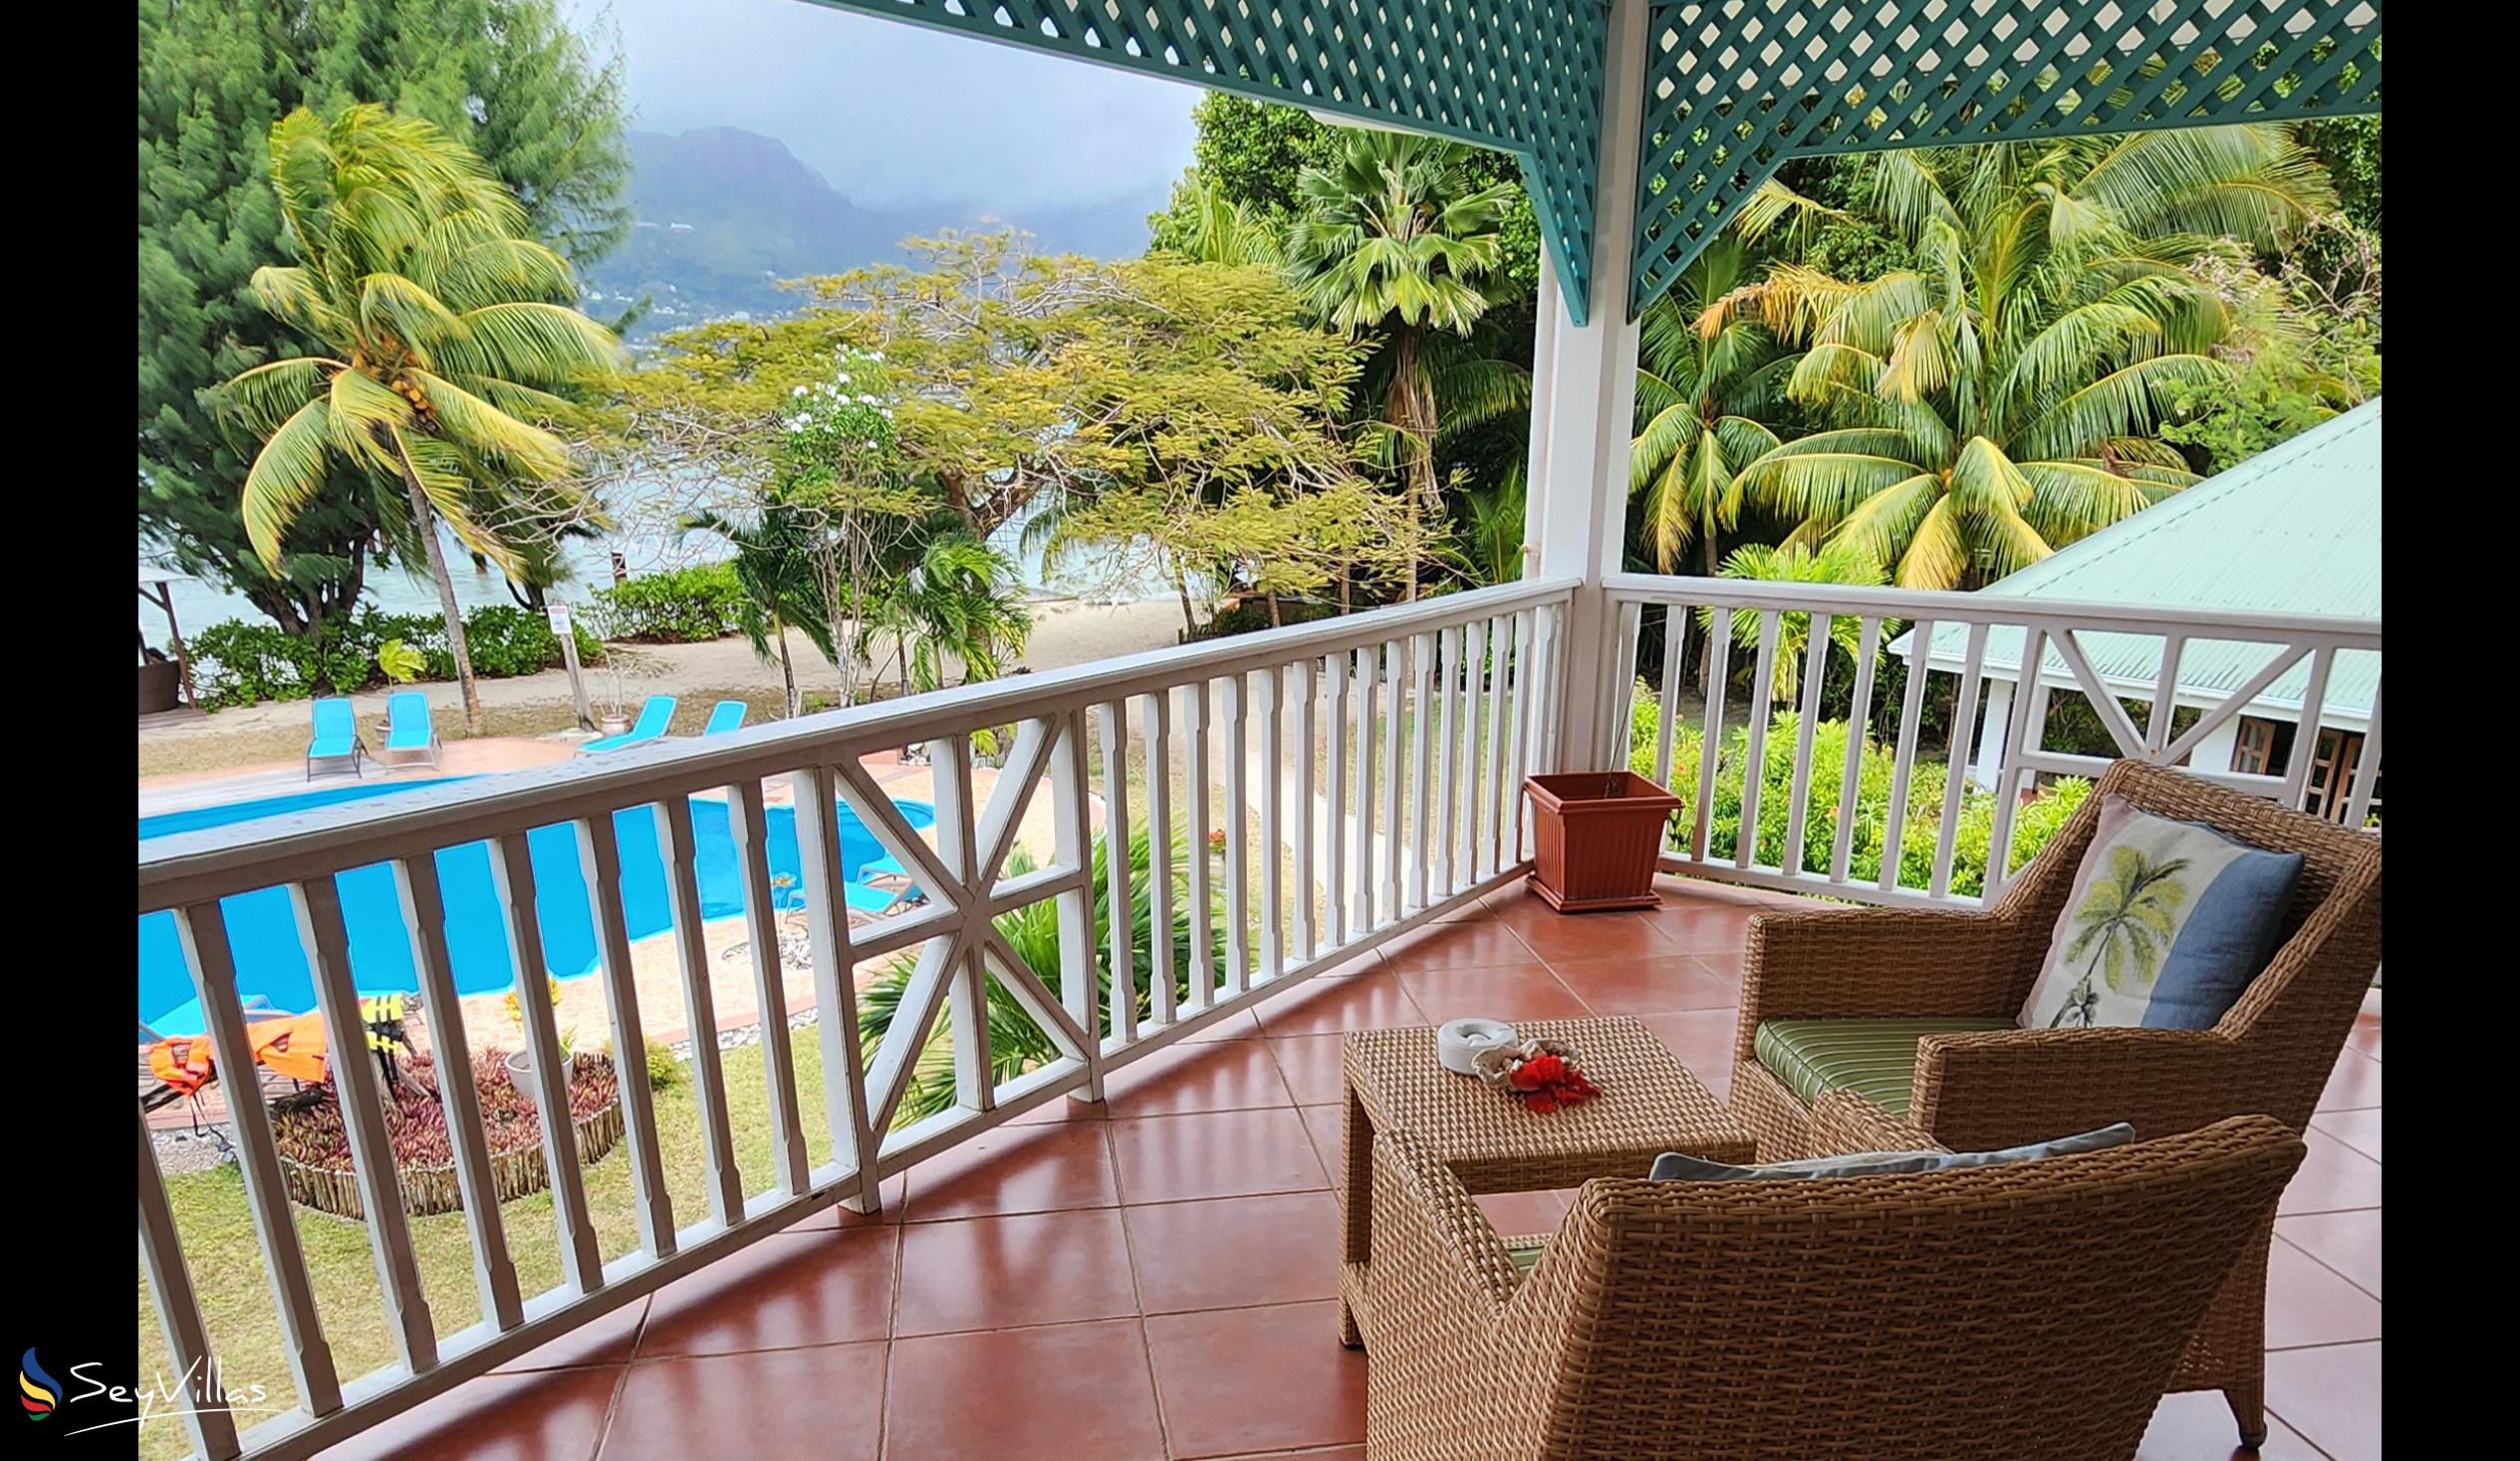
x=1673, y=1167
x=2166, y=924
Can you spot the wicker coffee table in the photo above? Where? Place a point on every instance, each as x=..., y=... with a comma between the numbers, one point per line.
x=1649, y=1105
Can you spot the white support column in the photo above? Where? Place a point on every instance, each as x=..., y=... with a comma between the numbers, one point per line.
x=1583, y=397
x=1990, y=735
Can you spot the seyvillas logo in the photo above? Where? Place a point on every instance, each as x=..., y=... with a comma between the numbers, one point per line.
x=37, y=1391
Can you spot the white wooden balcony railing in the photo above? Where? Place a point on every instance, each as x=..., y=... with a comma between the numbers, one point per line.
x=2291, y=666
x=1361, y=775
x=1367, y=770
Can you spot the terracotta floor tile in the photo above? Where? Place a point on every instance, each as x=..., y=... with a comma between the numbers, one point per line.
x=1215, y=1154
x=1330, y=1006
x=2354, y=1086
x=2333, y=1178
x=1313, y=1067
x=1481, y=944
x=1238, y=1026
x=1234, y=1252
x=819, y=1404
x=610, y=1340
x=1518, y=992
x=1327, y=1125
x=547, y=1416
x=1236, y=1074
x=2347, y=1241
x=1571, y=936
x=1691, y=925
x=2307, y=1303
x=1068, y=1109
x=1045, y=1168
x=1295, y=1387
x=2331, y=1395
x=1335, y=1453
x=2197, y=1425
x=1724, y=964
x=1649, y=985
x=1367, y=962
x=1702, y=1038
x=786, y=1290
x=1061, y=1392
x=2359, y=1129
x=1521, y=1214
x=1008, y=1271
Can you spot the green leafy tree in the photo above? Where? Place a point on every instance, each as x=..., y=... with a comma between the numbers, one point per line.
x=538, y=99
x=1397, y=236
x=1496, y=529
x=2125, y=924
x=444, y=343
x=1704, y=397
x=2002, y=396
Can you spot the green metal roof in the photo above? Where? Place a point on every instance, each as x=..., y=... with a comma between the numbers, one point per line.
x=2293, y=529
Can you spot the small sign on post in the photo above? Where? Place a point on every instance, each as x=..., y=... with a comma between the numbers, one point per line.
x=565, y=626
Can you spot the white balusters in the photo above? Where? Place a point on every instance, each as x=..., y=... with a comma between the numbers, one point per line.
x=202, y=931
x=1111, y=723
x=824, y=881
x=1156, y=710
x=1272, y=833
x=1418, y=845
x=1859, y=725
x=512, y=875
x=1202, y=896
x=1334, y=830
x=493, y=1271
x=1308, y=680
x=1903, y=760
x=748, y=824
x=1754, y=752
x=1237, y=815
x=1449, y=763
x=599, y=859
x=1391, y=844
x=1361, y=821
x=699, y=1009
x=211, y=1429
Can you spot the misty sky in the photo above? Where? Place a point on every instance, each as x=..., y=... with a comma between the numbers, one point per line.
x=892, y=113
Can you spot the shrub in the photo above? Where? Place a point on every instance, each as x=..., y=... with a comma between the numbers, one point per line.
x=678, y=607
x=239, y=663
x=2033, y=824
x=663, y=1072
x=415, y=1119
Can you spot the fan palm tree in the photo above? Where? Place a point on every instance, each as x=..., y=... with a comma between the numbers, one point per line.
x=1843, y=562
x=1395, y=236
x=2126, y=923
x=1999, y=399
x=442, y=343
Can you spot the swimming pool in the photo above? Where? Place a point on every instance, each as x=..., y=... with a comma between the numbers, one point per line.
x=262, y=929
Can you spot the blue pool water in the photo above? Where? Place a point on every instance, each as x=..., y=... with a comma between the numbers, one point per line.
x=263, y=933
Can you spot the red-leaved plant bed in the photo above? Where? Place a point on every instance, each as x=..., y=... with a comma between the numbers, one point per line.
x=315, y=1150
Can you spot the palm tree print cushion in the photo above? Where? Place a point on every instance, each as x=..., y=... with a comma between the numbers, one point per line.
x=2166, y=924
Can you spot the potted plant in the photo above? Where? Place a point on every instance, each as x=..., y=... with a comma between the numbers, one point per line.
x=520, y=1062
x=1597, y=836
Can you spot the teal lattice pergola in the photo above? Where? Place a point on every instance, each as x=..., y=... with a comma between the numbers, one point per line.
x=1733, y=88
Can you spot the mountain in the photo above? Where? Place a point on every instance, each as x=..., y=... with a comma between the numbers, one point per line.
x=722, y=214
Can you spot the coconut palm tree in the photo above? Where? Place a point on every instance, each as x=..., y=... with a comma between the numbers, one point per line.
x=2126, y=923
x=1999, y=398
x=442, y=341
x=1843, y=562
x=1704, y=397
x=1395, y=236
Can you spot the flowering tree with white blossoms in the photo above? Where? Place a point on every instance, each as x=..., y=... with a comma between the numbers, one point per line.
x=842, y=468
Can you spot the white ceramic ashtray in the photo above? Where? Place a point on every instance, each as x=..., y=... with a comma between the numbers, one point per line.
x=1457, y=1044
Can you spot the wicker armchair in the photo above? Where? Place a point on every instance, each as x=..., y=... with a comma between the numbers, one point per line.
x=2271, y=1053
x=2032, y=1310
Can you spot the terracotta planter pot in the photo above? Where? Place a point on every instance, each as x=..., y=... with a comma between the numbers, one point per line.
x=1597, y=836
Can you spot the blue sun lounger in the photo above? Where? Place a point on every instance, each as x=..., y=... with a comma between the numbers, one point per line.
x=725, y=715
x=336, y=738
x=411, y=740
x=654, y=717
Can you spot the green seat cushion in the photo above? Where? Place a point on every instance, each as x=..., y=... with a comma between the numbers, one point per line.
x=1875, y=1059
x=1525, y=1256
